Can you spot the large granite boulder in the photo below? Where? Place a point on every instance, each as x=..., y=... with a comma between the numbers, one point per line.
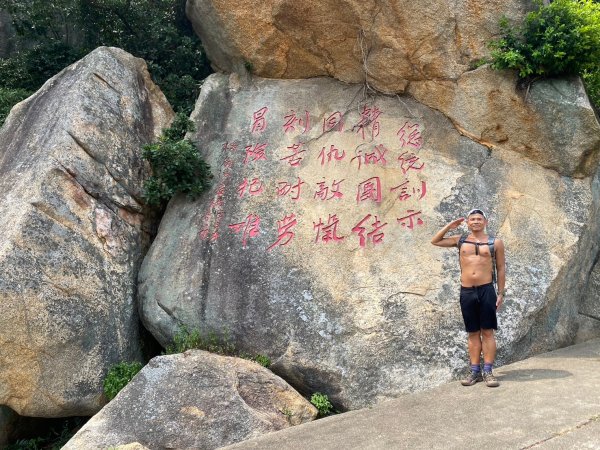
x=73, y=231
x=313, y=245
x=428, y=49
x=195, y=400
x=552, y=122
x=385, y=44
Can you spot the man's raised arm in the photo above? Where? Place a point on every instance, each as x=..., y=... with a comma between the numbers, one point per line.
x=451, y=241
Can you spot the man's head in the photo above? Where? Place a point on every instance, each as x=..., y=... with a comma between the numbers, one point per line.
x=476, y=220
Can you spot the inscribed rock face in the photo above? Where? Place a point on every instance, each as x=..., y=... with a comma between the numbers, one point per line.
x=313, y=245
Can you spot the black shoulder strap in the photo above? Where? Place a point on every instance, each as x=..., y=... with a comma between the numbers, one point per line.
x=462, y=240
x=491, y=240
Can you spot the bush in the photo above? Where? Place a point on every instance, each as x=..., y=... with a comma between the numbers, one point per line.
x=562, y=38
x=118, y=376
x=176, y=165
x=559, y=39
x=263, y=360
x=9, y=98
x=322, y=403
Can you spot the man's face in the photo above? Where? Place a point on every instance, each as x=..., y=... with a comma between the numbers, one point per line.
x=476, y=222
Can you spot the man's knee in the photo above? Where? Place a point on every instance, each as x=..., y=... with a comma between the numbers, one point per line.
x=487, y=334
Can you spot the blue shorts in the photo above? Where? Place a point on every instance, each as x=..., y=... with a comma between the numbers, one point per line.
x=478, y=306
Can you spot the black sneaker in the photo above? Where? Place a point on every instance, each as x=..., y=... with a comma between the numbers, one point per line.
x=472, y=378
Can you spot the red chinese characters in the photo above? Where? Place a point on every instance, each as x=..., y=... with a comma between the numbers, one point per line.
x=255, y=153
x=296, y=156
x=335, y=122
x=406, y=192
x=375, y=235
x=284, y=188
x=369, y=190
x=410, y=219
x=383, y=182
x=292, y=121
x=259, y=120
x=369, y=118
x=377, y=156
x=332, y=154
x=410, y=136
x=254, y=187
x=215, y=208
x=284, y=231
x=327, y=232
x=230, y=146
x=324, y=192
x=249, y=228
x=410, y=161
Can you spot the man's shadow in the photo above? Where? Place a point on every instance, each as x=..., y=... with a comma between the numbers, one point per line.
x=523, y=375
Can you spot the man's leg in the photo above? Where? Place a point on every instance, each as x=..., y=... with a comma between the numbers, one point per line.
x=489, y=355
x=489, y=346
x=474, y=343
x=474, y=346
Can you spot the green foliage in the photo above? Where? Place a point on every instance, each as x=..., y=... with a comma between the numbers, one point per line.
x=263, y=360
x=322, y=403
x=8, y=98
x=30, y=68
x=57, y=33
x=176, y=165
x=561, y=38
x=54, y=438
x=118, y=376
x=591, y=79
x=27, y=444
x=186, y=339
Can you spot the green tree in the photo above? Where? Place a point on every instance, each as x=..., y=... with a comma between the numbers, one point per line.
x=8, y=98
x=176, y=165
x=562, y=38
x=53, y=34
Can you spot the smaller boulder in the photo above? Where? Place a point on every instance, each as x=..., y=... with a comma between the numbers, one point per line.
x=195, y=400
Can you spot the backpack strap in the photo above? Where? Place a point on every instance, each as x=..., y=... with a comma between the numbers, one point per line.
x=491, y=241
x=461, y=241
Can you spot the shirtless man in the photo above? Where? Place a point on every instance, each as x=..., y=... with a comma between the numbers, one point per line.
x=478, y=301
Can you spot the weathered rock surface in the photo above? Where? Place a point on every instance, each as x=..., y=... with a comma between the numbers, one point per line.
x=425, y=48
x=73, y=232
x=552, y=122
x=386, y=44
x=590, y=307
x=195, y=400
x=313, y=245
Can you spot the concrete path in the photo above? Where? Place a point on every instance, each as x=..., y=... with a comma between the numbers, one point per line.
x=551, y=401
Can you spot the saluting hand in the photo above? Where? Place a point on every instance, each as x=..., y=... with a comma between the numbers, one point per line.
x=455, y=223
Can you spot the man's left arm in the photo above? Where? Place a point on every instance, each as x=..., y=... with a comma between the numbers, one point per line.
x=500, y=271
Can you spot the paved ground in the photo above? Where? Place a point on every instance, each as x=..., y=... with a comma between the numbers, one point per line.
x=551, y=401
